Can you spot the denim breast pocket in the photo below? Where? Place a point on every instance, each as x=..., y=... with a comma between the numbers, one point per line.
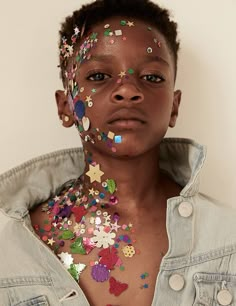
x=36, y=301
x=215, y=289
x=26, y=291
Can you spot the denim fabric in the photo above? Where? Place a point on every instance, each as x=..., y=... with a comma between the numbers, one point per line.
x=202, y=246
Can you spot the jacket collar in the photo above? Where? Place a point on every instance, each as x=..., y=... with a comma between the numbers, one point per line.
x=37, y=180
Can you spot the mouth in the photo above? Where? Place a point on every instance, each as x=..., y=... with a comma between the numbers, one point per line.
x=126, y=119
x=126, y=123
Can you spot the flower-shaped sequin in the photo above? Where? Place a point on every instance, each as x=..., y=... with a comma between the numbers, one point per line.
x=128, y=251
x=103, y=238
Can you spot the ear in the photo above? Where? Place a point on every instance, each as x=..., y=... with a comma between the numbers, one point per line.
x=64, y=112
x=175, y=108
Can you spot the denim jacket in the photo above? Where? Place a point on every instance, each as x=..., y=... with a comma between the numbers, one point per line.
x=198, y=269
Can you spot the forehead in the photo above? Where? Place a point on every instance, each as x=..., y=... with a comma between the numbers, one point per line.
x=129, y=39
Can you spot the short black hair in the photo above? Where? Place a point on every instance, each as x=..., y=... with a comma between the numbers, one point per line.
x=94, y=13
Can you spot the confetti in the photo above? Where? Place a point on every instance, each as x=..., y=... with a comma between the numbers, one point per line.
x=100, y=273
x=116, y=287
x=95, y=173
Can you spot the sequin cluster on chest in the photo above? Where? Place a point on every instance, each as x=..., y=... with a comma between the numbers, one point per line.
x=84, y=223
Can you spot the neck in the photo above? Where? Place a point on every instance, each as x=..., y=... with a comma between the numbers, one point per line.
x=138, y=179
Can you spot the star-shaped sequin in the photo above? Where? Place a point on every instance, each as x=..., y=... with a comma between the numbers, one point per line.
x=76, y=30
x=91, y=192
x=122, y=74
x=88, y=99
x=114, y=226
x=130, y=23
x=94, y=173
x=51, y=241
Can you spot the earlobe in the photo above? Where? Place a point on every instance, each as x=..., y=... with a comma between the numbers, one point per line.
x=175, y=108
x=64, y=112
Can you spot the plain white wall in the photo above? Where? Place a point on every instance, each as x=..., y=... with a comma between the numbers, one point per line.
x=29, y=124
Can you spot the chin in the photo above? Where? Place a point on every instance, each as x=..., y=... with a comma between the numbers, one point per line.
x=132, y=146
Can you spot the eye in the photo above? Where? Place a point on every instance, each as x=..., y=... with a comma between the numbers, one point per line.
x=98, y=76
x=154, y=78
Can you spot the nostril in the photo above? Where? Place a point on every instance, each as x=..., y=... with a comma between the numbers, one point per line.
x=135, y=98
x=118, y=97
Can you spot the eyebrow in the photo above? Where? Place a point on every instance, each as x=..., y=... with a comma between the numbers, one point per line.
x=155, y=58
x=110, y=58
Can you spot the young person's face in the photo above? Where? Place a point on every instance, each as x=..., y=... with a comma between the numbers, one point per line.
x=130, y=81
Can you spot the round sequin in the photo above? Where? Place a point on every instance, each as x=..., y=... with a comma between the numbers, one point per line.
x=149, y=50
x=98, y=212
x=113, y=200
x=100, y=273
x=102, y=195
x=104, y=184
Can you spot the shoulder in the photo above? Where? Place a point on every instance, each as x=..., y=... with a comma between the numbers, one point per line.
x=37, y=180
x=213, y=223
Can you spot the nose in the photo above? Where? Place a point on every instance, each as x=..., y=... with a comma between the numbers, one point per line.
x=127, y=93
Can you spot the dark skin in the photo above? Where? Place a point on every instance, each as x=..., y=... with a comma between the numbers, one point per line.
x=146, y=105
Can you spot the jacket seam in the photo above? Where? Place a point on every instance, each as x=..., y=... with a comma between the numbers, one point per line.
x=198, y=259
x=38, y=159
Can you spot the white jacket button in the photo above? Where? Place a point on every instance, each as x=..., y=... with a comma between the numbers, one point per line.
x=185, y=209
x=224, y=297
x=176, y=282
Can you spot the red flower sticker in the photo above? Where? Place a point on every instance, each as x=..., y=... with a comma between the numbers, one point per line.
x=108, y=257
x=79, y=212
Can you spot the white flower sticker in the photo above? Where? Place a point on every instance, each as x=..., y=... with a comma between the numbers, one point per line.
x=103, y=238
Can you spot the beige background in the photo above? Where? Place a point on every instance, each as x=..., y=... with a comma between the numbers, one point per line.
x=29, y=125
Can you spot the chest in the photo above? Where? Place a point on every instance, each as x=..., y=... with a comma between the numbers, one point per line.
x=131, y=256
x=132, y=272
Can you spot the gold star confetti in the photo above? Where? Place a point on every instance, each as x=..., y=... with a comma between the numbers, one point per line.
x=51, y=241
x=122, y=74
x=88, y=99
x=130, y=23
x=91, y=191
x=94, y=173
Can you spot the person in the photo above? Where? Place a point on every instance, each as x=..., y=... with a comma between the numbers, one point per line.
x=121, y=220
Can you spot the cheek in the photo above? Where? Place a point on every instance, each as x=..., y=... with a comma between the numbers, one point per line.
x=161, y=102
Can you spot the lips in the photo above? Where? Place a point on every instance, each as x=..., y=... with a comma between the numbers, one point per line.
x=126, y=120
x=126, y=116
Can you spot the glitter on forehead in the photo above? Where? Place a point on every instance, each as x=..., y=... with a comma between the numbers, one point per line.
x=118, y=32
x=86, y=47
x=130, y=23
x=107, y=32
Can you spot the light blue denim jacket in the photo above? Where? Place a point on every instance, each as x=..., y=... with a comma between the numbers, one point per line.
x=198, y=269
